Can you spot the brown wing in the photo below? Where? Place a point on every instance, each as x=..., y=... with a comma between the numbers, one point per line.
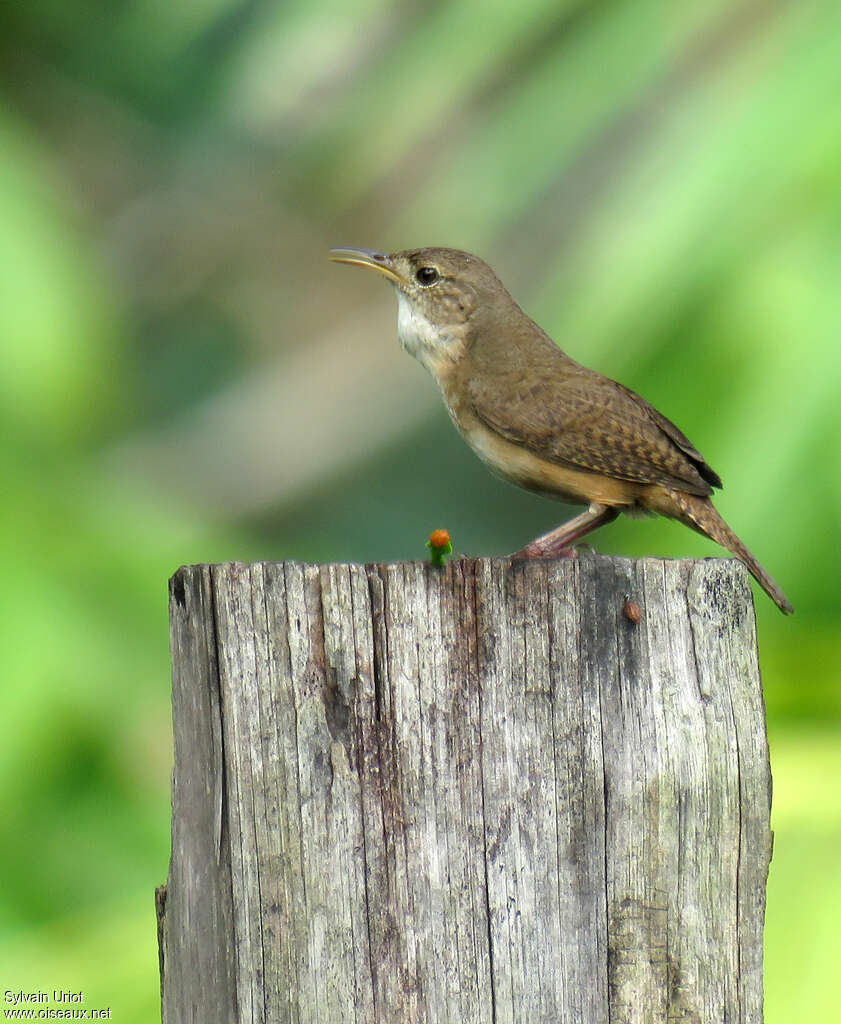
x=677, y=436
x=588, y=421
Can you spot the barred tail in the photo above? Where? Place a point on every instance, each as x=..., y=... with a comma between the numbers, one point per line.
x=701, y=515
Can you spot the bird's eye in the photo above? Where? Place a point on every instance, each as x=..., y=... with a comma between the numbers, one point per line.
x=426, y=276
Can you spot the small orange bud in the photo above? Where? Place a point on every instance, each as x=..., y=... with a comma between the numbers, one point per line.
x=439, y=539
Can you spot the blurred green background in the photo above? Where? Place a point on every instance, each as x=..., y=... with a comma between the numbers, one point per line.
x=185, y=378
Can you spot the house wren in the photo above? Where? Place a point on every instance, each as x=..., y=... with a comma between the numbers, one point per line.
x=537, y=417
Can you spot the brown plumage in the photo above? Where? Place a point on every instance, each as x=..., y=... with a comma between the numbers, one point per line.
x=539, y=418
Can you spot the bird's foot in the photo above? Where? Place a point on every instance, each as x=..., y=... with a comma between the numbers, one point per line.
x=558, y=543
x=538, y=550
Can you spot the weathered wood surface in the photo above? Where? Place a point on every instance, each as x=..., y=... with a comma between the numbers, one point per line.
x=481, y=794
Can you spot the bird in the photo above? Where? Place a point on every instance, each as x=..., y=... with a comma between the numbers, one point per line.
x=537, y=417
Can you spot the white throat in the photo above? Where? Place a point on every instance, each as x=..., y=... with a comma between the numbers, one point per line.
x=429, y=344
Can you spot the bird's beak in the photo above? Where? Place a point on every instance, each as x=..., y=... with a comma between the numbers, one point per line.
x=367, y=258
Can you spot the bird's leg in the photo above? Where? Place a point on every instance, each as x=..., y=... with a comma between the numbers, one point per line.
x=555, y=543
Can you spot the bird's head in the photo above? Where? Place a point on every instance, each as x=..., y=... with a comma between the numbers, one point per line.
x=440, y=294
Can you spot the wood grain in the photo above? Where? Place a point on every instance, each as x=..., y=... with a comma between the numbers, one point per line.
x=477, y=794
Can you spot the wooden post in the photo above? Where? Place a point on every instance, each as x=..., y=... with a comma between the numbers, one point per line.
x=478, y=794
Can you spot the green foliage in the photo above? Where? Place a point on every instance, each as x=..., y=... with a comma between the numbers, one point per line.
x=804, y=886
x=656, y=183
